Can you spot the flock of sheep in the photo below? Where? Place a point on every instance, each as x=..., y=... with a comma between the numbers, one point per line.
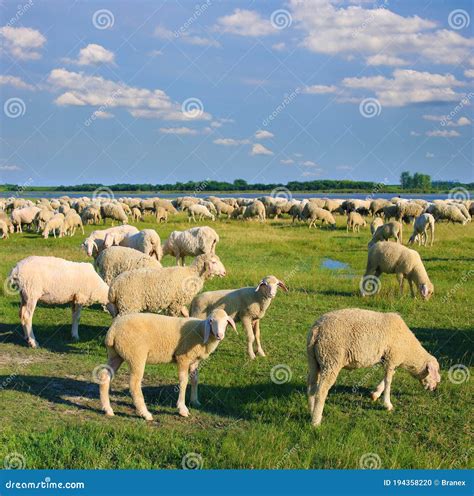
x=161, y=315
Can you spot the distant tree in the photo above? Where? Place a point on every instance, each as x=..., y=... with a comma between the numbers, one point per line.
x=406, y=180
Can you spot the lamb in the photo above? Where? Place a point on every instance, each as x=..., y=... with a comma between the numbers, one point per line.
x=386, y=231
x=136, y=214
x=115, y=260
x=377, y=222
x=161, y=215
x=139, y=339
x=354, y=338
x=393, y=258
x=146, y=241
x=71, y=222
x=55, y=281
x=422, y=225
x=200, y=211
x=354, y=221
x=192, y=242
x=94, y=243
x=256, y=210
x=113, y=211
x=247, y=305
x=168, y=289
x=54, y=224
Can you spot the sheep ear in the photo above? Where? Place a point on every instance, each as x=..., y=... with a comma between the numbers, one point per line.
x=261, y=283
x=283, y=286
x=231, y=322
x=207, y=330
x=424, y=290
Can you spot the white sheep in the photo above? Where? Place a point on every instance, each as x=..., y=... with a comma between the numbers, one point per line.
x=377, y=222
x=199, y=211
x=4, y=229
x=24, y=216
x=192, y=242
x=168, y=289
x=393, y=258
x=71, y=222
x=256, y=210
x=161, y=215
x=146, y=241
x=423, y=224
x=247, y=305
x=54, y=224
x=113, y=211
x=94, y=243
x=144, y=338
x=353, y=338
x=55, y=281
x=386, y=231
x=115, y=260
x=354, y=221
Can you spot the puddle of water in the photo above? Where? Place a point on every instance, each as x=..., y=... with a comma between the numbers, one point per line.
x=331, y=264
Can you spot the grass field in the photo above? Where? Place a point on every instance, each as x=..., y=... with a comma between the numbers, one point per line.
x=51, y=414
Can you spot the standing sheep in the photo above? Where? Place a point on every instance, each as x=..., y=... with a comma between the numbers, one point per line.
x=256, y=210
x=54, y=224
x=247, y=305
x=169, y=289
x=113, y=211
x=94, y=243
x=200, y=211
x=146, y=241
x=139, y=339
x=190, y=243
x=353, y=338
x=393, y=258
x=354, y=221
x=55, y=281
x=386, y=231
x=423, y=223
x=161, y=215
x=4, y=229
x=377, y=222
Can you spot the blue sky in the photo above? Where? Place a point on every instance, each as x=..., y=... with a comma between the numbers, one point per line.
x=265, y=91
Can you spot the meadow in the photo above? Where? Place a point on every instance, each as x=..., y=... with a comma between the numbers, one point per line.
x=254, y=413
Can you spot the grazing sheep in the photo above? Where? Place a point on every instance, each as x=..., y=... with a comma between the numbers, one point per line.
x=139, y=339
x=94, y=243
x=112, y=261
x=317, y=213
x=238, y=212
x=353, y=338
x=6, y=219
x=136, y=214
x=354, y=221
x=386, y=231
x=42, y=217
x=247, y=305
x=55, y=281
x=446, y=212
x=377, y=222
x=296, y=211
x=91, y=215
x=169, y=289
x=423, y=223
x=54, y=224
x=409, y=210
x=146, y=241
x=192, y=242
x=71, y=222
x=376, y=206
x=166, y=204
x=392, y=258
x=223, y=208
x=256, y=210
x=200, y=211
x=4, y=229
x=113, y=211
x=24, y=216
x=391, y=212
x=161, y=215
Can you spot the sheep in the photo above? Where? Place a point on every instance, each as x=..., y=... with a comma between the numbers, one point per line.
x=377, y=222
x=423, y=223
x=247, y=305
x=393, y=258
x=296, y=211
x=333, y=205
x=200, y=211
x=273, y=211
x=55, y=281
x=113, y=211
x=223, y=208
x=146, y=241
x=256, y=210
x=166, y=204
x=169, y=289
x=54, y=224
x=94, y=243
x=139, y=339
x=136, y=214
x=409, y=210
x=353, y=338
x=91, y=215
x=24, y=216
x=8, y=223
x=238, y=212
x=391, y=211
x=446, y=212
x=115, y=260
x=4, y=229
x=354, y=221
x=317, y=213
x=42, y=217
x=386, y=231
x=192, y=242
x=161, y=215
x=71, y=222
x=376, y=206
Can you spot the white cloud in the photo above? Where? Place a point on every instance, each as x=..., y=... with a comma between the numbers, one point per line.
x=462, y=121
x=244, y=22
x=178, y=130
x=258, y=149
x=344, y=167
x=155, y=53
x=287, y=161
x=263, y=134
x=442, y=134
x=313, y=173
x=309, y=163
x=231, y=142
x=16, y=82
x=186, y=36
x=81, y=89
x=469, y=73
x=320, y=89
x=93, y=54
x=22, y=43
x=415, y=133
x=353, y=30
x=9, y=168
x=408, y=86
x=429, y=155
x=103, y=114
x=279, y=47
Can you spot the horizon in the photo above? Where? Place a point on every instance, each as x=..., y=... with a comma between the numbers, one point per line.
x=113, y=93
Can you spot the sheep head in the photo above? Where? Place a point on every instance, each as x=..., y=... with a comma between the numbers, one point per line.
x=269, y=286
x=217, y=323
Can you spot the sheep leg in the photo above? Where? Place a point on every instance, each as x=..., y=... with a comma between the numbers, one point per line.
x=76, y=315
x=184, y=311
x=389, y=371
x=136, y=376
x=183, y=375
x=327, y=378
x=194, y=373
x=105, y=376
x=401, y=279
x=375, y=395
x=412, y=289
x=256, y=330
x=27, y=310
x=247, y=323
x=312, y=379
